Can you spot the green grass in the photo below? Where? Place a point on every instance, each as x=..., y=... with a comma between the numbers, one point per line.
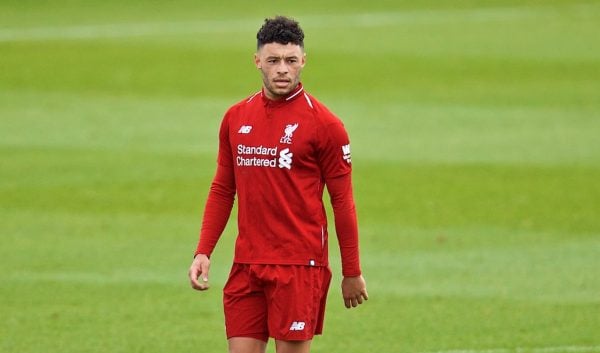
x=476, y=159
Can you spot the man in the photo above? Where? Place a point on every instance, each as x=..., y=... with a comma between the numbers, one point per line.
x=277, y=150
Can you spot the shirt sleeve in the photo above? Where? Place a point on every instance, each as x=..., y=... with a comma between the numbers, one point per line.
x=220, y=197
x=334, y=150
x=346, y=227
x=336, y=169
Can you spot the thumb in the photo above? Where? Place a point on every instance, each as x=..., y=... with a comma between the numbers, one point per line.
x=204, y=271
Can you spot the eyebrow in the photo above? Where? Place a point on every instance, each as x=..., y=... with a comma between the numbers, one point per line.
x=279, y=57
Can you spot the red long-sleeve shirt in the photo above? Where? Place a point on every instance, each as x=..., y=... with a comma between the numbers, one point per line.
x=277, y=156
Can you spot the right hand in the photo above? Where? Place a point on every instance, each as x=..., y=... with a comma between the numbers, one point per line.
x=199, y=272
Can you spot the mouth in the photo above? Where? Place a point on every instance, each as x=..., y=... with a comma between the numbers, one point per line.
x=281, y=82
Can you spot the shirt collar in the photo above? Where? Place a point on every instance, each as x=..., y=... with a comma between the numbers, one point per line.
x=297, y=92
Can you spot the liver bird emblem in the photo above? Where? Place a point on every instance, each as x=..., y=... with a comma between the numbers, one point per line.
x=289, y=131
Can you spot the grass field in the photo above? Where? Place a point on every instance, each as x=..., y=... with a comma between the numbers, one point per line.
x=475, y=132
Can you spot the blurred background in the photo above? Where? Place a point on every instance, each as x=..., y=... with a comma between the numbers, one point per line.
x=476, y=156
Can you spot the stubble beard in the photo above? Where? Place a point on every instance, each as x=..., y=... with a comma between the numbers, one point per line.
x=278, y=93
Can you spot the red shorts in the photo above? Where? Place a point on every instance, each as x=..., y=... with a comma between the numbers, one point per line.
x=286, y=302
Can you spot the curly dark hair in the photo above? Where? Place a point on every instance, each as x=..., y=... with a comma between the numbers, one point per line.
x=280, y=29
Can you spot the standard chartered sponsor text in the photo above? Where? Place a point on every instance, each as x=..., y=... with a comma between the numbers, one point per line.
x=256, y=156
x=256, y=162
x=260, y=150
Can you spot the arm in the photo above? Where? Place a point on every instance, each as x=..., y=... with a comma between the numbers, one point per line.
x=217, y=210
x=216, y=213
x=354, y=288
x=336, y=168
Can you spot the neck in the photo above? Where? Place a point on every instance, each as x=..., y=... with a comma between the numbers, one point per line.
x=278, y=97
x=271, y=95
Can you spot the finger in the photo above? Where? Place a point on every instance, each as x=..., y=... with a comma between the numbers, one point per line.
x=359, y=299
x=196, y=284
x=347, y=303
x=199, y=285
x=354, y=302
x=193, y=274
x=364, y=294
x=204, y=271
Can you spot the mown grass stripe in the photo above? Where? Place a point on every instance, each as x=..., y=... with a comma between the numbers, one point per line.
x=374, y=19
x=557, y=349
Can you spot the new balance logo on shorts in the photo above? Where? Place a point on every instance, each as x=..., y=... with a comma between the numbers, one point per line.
x=297, y=326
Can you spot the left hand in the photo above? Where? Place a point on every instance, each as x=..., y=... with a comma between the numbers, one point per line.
x=354, y=290
x=199, y=268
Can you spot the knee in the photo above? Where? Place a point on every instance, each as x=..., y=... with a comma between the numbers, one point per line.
x=246, y=345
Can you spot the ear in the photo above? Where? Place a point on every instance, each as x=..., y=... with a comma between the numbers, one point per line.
x=303, y=60
x=257, y=61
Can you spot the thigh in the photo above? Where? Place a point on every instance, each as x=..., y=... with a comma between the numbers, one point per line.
x=244, y=305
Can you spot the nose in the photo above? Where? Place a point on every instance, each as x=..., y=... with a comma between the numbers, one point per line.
x=282, y=68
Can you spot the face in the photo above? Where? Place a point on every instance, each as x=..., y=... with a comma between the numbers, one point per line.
x=280, y=65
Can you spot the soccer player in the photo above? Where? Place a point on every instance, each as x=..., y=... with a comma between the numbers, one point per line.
x=278, y=149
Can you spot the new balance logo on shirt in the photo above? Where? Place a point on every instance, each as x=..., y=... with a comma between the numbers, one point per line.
x=245, y=129
x=297, y=326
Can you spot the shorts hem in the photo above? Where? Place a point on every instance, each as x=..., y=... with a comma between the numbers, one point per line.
x=259, y=336
x=296, y=339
